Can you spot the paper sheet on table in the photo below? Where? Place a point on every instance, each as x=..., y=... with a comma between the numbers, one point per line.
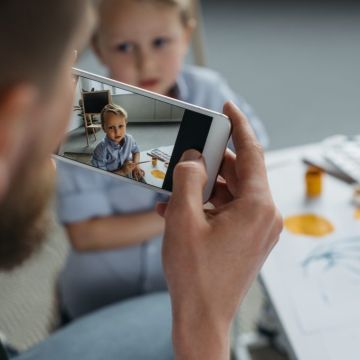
x=327, y=297
x=160, y=169
x=322, y=298
x=349, y=340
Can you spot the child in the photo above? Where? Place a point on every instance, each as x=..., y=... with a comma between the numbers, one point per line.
x=144, y=43
x=118, y=152
x=114, y=230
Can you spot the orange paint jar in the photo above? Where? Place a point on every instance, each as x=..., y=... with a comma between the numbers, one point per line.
x=313, y=181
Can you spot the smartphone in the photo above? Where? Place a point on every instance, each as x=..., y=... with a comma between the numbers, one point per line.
x=139, y=136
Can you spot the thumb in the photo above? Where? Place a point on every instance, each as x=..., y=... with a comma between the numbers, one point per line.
x=189, y=180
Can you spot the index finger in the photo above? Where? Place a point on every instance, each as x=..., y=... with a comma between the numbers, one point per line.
x=249, y=163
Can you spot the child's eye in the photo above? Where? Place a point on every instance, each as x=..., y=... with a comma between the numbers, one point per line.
x=160, y=42
x=125, y=47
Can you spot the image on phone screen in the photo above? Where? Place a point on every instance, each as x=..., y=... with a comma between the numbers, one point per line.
x=131, y=135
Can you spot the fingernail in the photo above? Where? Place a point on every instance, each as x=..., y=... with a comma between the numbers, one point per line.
x=233, y=105
x=190, y=155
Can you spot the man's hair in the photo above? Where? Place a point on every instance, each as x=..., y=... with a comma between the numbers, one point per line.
x=112, y=109
x=33, y=37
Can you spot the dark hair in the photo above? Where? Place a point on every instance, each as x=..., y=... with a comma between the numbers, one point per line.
x=112, y=109
x=33, y=37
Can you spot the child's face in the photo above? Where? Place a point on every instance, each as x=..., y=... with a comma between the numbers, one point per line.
x=142, y=43
x=115, y=127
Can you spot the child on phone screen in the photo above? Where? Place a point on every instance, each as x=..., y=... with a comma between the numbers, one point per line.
x=118, y=151
x=115, y=233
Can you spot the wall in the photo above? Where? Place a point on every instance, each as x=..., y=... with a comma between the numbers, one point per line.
x=139, y=108
x=143, y=109
x=76, y=121
x=297, y=63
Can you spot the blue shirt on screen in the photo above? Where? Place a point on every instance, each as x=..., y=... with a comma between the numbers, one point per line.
x=110, y=156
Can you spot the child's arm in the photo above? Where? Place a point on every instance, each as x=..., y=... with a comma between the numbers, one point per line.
x=138, y=173
x=129, y=166
x=126, y=168
x=114, y=232
x=98, y=157
x=136, y=157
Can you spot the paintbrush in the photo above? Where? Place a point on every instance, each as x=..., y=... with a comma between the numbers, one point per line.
x=143, y=162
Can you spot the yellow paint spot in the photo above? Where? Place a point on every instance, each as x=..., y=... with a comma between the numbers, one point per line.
x=158, y=174
x=357, y=214
x=309, y=225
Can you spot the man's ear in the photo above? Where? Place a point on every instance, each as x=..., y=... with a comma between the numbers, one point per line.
x=16, y=104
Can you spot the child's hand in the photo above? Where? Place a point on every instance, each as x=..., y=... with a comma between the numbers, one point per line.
x=127, y=168
x=138, y=173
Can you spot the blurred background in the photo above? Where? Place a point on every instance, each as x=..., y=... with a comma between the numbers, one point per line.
x=297, y=63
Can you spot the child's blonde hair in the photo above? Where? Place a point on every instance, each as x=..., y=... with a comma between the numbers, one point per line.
x=185, y=7
x=112, y=109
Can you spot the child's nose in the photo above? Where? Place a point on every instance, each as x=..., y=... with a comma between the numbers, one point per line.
x=146, y=62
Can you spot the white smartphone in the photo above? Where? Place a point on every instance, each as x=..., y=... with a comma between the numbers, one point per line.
x=139, y=136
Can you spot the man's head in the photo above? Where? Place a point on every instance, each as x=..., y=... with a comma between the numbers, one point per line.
x=37, y=43
x=113, y=121
x=144, y=42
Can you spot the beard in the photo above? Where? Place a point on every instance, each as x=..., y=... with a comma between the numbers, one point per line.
x=24, y=215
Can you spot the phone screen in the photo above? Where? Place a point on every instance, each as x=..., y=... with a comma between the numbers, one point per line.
x=131, y=135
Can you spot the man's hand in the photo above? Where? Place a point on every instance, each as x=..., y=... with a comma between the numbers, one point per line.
x=211, y=257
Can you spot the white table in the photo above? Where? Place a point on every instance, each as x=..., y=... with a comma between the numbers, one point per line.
x=322, y=322
x=148, y=167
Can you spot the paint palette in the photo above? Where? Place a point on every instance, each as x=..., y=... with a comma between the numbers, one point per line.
x=159, y=154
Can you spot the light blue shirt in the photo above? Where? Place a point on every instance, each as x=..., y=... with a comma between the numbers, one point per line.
x=206, y=88
x=110, y=156
x=120, y=273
